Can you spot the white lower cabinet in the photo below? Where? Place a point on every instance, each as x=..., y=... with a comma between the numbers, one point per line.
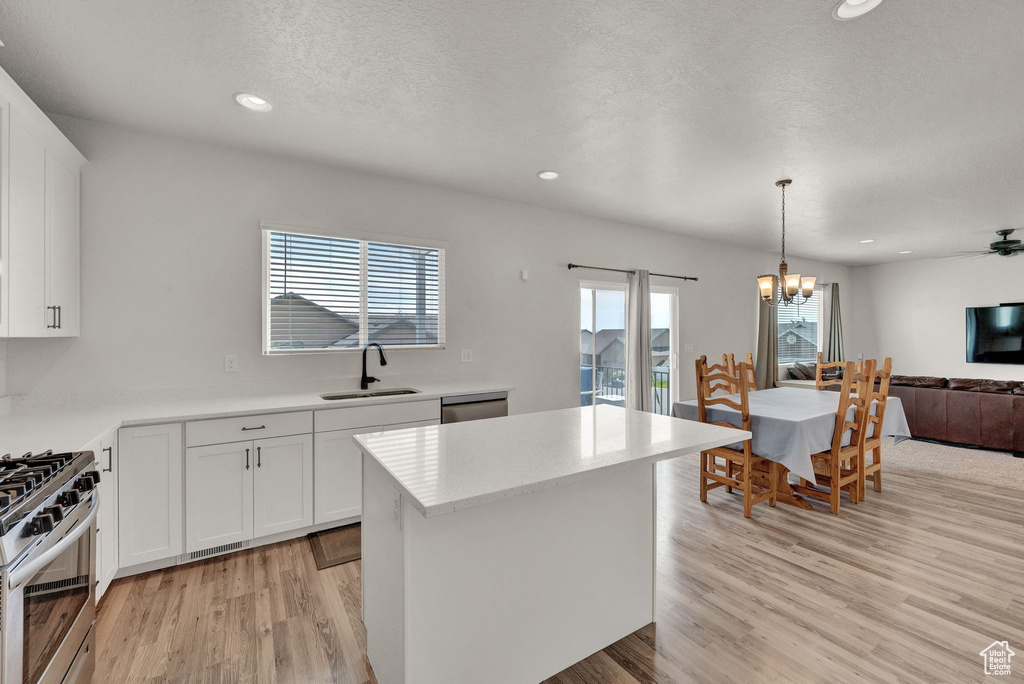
x=339, y=476
x=149, y=494
x=218, y=495
x=107, y=519
x=339, y=471
x=245, y=490
x=283, y=485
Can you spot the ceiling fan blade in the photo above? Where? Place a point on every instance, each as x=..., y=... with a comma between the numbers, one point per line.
x=966, y=255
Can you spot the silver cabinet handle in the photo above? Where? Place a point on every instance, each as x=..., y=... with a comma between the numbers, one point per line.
x=60, y=317
x=259, y=457
x=246, y=459
x=261, y=427
x=54, y=326
x=110, y=459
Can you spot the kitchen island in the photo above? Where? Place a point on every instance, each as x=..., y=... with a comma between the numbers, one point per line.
x=506, y=550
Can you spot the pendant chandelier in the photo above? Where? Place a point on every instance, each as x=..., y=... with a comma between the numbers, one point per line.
x=793, y=289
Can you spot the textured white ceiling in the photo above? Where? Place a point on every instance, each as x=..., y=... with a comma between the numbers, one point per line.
x=904, y=126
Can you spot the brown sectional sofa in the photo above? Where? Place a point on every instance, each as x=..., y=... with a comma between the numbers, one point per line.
x=973, y=412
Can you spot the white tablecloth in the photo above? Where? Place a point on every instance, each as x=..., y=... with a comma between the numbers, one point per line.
x=790, y=424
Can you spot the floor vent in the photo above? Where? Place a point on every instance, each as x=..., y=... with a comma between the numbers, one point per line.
x=217, y=550
x=57, y=585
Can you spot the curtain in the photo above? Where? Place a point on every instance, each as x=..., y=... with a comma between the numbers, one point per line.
x=639, y=394
x=834, y=333
x=767, y=363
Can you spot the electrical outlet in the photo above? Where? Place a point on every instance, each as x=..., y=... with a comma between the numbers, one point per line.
x=467, y=356
x=231, y=363
x=689, y=348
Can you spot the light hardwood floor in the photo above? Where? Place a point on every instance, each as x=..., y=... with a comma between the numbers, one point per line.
x=908, y=586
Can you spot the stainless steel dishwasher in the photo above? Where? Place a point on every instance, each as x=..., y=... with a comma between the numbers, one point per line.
x=464, y=407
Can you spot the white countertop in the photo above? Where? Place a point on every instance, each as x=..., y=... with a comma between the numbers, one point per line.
x=74, y=428
x=445, y=468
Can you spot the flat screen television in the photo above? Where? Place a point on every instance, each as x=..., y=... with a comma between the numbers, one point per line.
x=995, y=334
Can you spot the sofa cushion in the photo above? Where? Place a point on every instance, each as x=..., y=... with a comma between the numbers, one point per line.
x=902, y=380
x=1019, y=390
x=928, y=381
x=1000, y=386
x=800, y=371
x=832, y=373
x=965, y=384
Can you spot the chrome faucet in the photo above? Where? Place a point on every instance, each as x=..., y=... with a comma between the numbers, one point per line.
x=365, y=382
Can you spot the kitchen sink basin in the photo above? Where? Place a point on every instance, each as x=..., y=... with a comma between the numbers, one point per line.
x=364, y=394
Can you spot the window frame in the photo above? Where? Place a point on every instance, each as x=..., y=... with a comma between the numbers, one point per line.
x=267, y=227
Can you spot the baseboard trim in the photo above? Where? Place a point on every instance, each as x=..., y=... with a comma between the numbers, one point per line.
x=250, y=544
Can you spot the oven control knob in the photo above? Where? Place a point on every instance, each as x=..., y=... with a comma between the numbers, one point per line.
x=95, y=475
x=41, y=524
x=55, y=512
x=85, y=483
x=70, y=498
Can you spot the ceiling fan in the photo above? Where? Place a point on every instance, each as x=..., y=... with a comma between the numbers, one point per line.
x=1004, y=246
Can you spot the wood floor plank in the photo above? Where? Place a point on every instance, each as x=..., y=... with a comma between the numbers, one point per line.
x=907, y=586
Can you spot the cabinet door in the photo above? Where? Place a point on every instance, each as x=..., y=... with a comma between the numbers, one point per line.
x=25, y=263
x=62, y=246
x=149, y=494
x=283, y=487
x=218, y=495
x=338, y=466
x=107, y=528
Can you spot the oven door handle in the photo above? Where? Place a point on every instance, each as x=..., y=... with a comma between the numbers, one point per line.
x=28, y=570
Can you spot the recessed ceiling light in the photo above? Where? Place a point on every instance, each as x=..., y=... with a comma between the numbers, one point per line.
x=865, y=242
x=851, y=9
x=907, y=251
x=547, y=175
x=253, y=102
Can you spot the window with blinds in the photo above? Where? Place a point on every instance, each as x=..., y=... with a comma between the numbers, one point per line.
x=800, y=330
x=330, y=293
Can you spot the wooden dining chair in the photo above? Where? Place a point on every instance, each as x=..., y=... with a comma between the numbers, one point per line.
x=838, y=468
x=729, y=360
x=739, y=463
x=871, y=440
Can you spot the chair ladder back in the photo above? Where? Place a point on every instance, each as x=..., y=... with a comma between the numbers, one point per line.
x=705, y=378
x=882, y=374
x=860, y=402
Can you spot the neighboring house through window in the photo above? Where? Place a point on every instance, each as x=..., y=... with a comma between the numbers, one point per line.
x=331, y=293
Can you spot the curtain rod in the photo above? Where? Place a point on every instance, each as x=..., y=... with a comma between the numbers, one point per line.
x=624, y=270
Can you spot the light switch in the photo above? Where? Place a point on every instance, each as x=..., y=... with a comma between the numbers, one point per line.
x=467, y=356
x=231, y=363
x=689, y=348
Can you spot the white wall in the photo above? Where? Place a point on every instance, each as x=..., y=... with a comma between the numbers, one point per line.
x=915, y=312
x=171, y=273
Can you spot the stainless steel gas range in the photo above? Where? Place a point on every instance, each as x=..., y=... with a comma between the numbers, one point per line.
x=48, y=507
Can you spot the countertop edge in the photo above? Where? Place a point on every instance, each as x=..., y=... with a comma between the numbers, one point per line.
x=435, y=510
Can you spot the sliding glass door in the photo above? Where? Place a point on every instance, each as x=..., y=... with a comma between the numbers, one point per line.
x=603, y=346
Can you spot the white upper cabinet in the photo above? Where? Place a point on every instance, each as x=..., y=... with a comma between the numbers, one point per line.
x=39, y=221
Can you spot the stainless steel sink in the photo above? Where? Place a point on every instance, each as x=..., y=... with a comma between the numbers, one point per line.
x=364, y=394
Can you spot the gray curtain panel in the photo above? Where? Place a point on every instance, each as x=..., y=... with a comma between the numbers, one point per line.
x=638, y=326
x=766, y=365
x=834, y=350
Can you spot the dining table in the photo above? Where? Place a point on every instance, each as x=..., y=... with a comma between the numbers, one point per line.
x=789, y=424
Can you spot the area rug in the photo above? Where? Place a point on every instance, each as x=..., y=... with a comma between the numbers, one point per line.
x=998, y=468
x=336, y=546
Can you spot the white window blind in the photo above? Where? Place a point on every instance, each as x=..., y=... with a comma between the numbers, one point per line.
x=799, y=330
x=328, y=293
